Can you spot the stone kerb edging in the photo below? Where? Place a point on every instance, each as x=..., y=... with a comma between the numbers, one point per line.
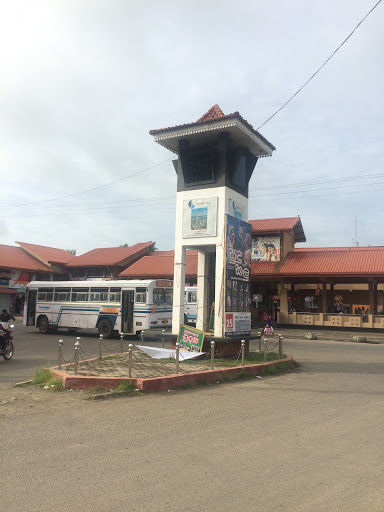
x=152, y=384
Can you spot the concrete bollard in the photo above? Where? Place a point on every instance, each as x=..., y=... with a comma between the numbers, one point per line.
x=142, y=337
x=242, y=352
x=77, y=353
x=265, y=349
x=281, y=346
x=130, y=347
x=100, y=342
x=212, y=355
x=121, y=342
x=177, y=357
x=162, y=338
x=60, y=362
x=259, y=335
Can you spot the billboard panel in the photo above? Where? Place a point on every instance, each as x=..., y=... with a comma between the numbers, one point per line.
x=238, y=243
x=200, y=217
x=266, y=248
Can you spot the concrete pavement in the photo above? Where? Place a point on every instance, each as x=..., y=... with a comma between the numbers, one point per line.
x=309, y=440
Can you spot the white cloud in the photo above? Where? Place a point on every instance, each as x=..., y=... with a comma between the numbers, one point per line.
x=83, y=82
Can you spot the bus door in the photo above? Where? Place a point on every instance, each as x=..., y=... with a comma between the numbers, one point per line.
x=127, y=301
x=31, y=307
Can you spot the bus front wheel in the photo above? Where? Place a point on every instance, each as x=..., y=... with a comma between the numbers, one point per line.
x=44, y=325
x=105, y=328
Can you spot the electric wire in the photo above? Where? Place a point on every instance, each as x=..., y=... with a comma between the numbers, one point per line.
x=91, y=189
x=168, y=159
x=319, y=69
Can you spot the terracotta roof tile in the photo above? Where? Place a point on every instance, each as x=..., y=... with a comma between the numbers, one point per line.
x=347, y=261
x=214, y=112
x=111, y=256
x=47, y=254
x=158, y=265
x=14, y=257
x=269, y=225
x=261, y=226
x=212, y=116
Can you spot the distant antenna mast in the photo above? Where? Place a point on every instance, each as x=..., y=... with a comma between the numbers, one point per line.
x=356, y=242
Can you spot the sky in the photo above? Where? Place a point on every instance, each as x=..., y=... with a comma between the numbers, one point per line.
x=83, y=81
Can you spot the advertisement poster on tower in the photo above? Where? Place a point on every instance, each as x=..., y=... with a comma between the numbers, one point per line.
x=238, y=242
x=200, y=217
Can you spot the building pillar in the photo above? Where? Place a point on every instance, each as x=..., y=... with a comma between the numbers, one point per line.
x=178, y=288
x=219, y=292
x=202, y=291
x=283, y=304
x=324, y=299
x=372, y=287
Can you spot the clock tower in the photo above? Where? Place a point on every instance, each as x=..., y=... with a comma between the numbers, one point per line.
x=215, y=159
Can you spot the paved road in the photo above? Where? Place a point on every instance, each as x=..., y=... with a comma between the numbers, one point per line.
x=310, y=440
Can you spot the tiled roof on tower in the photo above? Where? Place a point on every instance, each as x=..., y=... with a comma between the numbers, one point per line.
x=212, y=121
x=213, y=113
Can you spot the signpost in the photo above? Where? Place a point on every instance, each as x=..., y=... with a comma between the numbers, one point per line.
x=190, y=338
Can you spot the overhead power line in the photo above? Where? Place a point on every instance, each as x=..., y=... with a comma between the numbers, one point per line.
x=320, y=68
x=90, y=189
x=168, y=159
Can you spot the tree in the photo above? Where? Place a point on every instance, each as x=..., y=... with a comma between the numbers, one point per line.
x=71, y=251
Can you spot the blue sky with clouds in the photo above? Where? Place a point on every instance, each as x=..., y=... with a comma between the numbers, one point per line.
x=83, y=82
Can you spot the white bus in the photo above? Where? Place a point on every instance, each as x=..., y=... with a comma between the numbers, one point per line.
x=190, y=303
x=111, y=307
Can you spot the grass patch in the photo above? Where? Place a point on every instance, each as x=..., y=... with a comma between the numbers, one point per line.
x=44, y=377
x=125, y=386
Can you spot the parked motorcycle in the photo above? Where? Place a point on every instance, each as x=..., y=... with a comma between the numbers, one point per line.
x=7, y=353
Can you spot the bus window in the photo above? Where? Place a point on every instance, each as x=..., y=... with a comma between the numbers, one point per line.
x=168, y=295
x=192, y=297
x=158, y=296
x=80, y=294
x=114, y=294
x=62, y=294
x=99, y=295
x=45, y=295
x=141, y=295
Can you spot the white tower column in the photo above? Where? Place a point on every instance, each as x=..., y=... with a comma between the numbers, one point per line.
x=178, y=288
x=202, y=292
x=219, y=292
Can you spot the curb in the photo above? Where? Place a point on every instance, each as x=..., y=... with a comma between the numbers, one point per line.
x=154, y=384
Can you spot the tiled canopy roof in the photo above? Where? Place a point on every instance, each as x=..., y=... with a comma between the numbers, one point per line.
x=160, y=265
x=262, y=226
x=213, y=115
x=15, y=258
x=214, y=112
x=47, y=254
x=325, y=261
x=111, y=256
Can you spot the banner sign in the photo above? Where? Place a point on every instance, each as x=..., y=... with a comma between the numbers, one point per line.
x=19, y=279
x=199, y=217
x=190, y=338
x=266, y=248
x=238, y=243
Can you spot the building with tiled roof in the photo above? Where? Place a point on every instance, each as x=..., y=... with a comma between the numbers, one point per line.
x=159, y=265
x=17, y=269
x=107, y=263
x=47, y=255
x=298, y=274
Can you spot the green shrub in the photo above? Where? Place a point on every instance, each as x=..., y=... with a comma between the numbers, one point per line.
x=44, y=377
x=125, y=386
